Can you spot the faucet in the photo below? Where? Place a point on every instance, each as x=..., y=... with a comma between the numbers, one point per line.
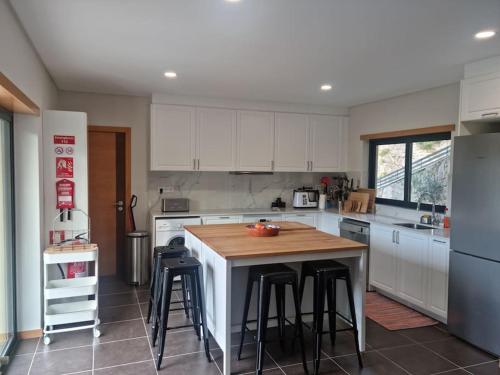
x=435, y=219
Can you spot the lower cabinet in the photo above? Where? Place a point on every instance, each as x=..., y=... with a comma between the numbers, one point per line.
x=261, y=218
x=329, y=223
x=412, y=267
x=308, y=219
x=231, y=219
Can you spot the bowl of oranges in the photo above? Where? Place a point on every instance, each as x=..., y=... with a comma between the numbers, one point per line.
x=263, y=230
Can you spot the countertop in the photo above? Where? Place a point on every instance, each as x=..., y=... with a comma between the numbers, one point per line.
x=368, y=218
x=231, y=241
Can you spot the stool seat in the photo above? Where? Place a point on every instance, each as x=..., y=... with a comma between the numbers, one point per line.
x=276, y=273
x=314, y=266
x=175, y=264
x=172, y=251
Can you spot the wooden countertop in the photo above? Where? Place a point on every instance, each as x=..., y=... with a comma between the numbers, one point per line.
x=231, y=241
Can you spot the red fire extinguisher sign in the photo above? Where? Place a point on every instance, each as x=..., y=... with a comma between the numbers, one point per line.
x=65, y=191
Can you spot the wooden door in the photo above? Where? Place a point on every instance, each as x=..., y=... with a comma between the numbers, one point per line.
x=291, y=143
x=255, y=141
x=109, y=194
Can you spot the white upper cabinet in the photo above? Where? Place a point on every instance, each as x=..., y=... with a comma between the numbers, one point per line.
x=291, y=150
x=173, y=138
x=480, y=97
x=255, y=145
x=216, y=139
x=326, y=146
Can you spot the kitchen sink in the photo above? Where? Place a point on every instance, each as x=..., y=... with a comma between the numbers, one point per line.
x=414, y=226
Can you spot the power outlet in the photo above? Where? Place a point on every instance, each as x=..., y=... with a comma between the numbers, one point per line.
x=166, y=189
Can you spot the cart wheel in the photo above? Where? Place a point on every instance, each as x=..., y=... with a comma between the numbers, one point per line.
x=97, y=332
x=46, y=339
x=98, y=321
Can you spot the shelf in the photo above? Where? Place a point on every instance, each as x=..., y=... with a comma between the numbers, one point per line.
x=70, y=257
x=63, y=288
x=71, y=312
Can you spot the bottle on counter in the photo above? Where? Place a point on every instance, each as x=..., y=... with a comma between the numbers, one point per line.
x=446, y=219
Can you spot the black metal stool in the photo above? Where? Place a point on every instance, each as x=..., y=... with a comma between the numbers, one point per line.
x=160, y=253
x=185, y=267
x=326, y=273
x=280, y=276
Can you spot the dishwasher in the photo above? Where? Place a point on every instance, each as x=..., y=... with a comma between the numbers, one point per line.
x=358, y=231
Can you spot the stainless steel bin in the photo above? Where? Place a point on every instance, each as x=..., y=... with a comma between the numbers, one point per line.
x=137, y=261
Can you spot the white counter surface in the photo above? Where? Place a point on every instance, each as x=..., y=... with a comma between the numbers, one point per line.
x=368, y=218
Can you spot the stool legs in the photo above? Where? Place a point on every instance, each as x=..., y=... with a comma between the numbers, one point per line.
x=298, y=325
x=184, y=286
x=263, y=314
x=280, y=310
x=155, y=276
x=203, y=311
x=248, y=296
x=165, y=305
x=319, y=308
x=353, y=317
x=331, y=293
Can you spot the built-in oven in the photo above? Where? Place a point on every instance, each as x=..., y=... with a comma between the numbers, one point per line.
x=357, y=231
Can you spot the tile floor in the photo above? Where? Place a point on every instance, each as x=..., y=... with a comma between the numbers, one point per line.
x=124, y=348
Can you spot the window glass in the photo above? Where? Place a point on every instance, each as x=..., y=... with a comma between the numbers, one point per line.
x=391, y=171
x=430, y=171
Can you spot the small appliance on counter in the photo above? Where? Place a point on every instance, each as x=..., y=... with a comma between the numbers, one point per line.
x=174, y=205
x=278, y=204
x=305, y=198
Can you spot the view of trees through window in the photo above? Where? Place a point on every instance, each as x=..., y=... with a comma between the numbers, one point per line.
x=427, y=173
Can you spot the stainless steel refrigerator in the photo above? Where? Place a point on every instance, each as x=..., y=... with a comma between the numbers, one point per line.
x=474, y=284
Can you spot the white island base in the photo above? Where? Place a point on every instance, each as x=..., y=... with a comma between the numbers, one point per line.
x=225, y=285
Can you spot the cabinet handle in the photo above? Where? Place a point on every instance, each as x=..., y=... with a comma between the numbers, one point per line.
x=224, y=217
x=272, y=165
x=489, y=114
x=311, y=165
x=438, y=241
x=397, y=237
x=198, y=164
x=393, y=236
x=194, y=164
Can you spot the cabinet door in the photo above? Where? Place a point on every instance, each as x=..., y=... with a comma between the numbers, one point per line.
x=173, y=138
x=221, y=219
x=255, y=141
x=325, y=145
x=216, y=135
x=439, y=257
x=412, y=266
x=382, y=271
x=291, y=143
x=329, y=223
x=308, y=219
x=480, y=98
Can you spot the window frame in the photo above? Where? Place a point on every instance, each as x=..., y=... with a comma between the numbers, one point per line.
x=408, y=141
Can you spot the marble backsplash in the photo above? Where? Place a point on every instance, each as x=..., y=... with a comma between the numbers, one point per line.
x=220, y=190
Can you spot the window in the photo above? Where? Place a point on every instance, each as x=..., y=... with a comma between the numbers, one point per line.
x=412, y=169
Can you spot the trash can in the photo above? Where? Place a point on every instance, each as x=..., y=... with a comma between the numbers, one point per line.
x=137, y=260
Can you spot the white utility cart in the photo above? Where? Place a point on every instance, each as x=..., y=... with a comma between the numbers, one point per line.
x=71, y=302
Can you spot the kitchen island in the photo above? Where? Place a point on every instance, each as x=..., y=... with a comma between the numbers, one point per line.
x=226, y=251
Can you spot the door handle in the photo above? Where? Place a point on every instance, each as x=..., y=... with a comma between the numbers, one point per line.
x=119, y=205
x=489, y=114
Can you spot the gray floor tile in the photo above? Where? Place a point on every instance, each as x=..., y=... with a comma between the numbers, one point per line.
x=67, y=340
x=344, y=344
x=425, y=334
x=182, y=343
x=121, y=352
x=417, y=359
x=121, y=330
x=120, y=299
x=373, y=364
x=491, y=368
x=143, y=368
x=19, y=365
x=188, y=365
x=459, y=352
x=62, y=361
x=113, y=314
x=326, y=367
x=26, y=346
x=247, y=362
x=378, y=337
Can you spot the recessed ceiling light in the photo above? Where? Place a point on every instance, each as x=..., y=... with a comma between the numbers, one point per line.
x=170, y=74
x=485, y=34
x=232, y=1
x=326, y=87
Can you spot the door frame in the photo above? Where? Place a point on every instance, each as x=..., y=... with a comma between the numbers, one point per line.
x=127, y=131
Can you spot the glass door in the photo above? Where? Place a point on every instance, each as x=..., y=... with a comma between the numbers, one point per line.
x=7, y=261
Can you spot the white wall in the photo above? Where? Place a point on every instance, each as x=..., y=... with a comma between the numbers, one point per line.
x=437, y=106
x=125, y=111
x=20, y=63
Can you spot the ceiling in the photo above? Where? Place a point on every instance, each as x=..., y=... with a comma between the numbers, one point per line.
x=266, y=50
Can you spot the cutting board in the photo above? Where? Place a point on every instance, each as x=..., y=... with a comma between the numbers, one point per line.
x=357, y=202
x=371, y=202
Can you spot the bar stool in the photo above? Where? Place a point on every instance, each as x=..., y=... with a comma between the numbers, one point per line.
x=266, y=276
x=325, y=274
x=191, y=268
x=160, y=253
